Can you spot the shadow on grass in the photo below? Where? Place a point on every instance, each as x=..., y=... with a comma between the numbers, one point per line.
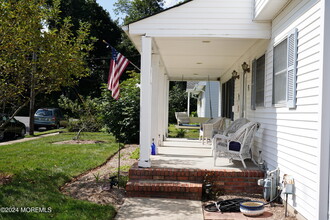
x=35, y=194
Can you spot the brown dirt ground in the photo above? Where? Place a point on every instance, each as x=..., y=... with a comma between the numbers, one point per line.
x=78, y=142
x=94, y=185
x=5, y=178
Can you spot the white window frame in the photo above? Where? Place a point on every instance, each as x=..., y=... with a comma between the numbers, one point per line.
x=290, y=71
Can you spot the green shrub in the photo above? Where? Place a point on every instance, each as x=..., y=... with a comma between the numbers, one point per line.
x=122, y=116
x=180, y=133
x=85, y=124
x=87, y=112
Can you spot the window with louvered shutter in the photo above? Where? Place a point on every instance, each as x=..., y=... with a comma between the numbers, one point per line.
x=292, y=69
x=258, y=83
x=253, y=85
x=285, y=70
x=280, y=70
x=228, y=89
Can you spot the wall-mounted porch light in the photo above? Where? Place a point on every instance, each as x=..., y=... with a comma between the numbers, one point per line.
x=245, y=67
x=235, y=75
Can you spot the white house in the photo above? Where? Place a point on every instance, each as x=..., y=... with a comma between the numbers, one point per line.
x=208, y=100
x=286, y=90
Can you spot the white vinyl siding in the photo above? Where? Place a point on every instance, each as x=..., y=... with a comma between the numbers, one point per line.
x=203, y=105
x=212, y=93
x=288, y=137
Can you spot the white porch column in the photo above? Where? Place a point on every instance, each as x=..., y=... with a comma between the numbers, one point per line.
x=167, y=92
x=145, y=103
x=155, y=61
x=161, y=105
x=324, y=117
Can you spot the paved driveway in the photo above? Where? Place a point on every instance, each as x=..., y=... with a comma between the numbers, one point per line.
x=25, y=120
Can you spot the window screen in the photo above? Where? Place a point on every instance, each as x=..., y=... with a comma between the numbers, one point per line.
x=227, y=99
x=280, y=72
x=260, y=81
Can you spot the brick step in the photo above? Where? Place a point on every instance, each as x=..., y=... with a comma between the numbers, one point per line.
x=164, y=189
x=189, y=175
x=224, y=180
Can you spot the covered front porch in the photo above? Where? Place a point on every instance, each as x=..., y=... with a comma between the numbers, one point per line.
x=180, y=44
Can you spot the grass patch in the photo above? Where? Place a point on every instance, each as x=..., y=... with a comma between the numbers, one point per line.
x=173, y=132
x=40, y=168
x=135, y=154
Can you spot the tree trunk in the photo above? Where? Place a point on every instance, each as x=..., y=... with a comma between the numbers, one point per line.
x=32, y=95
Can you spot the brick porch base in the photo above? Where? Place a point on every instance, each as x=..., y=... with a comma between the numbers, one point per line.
x=188, y=183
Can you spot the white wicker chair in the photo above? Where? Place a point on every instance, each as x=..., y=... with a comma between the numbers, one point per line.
x=210, y=128
x=236, y=146
x=232, y=128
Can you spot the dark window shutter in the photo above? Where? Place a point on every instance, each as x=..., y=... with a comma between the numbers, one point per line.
x=253, y=85
x=292, y=69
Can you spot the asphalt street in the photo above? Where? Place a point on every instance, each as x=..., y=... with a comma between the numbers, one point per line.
x=25, y=120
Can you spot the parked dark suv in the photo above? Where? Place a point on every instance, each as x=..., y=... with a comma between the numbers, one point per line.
x=47, y=117
x=12, y=129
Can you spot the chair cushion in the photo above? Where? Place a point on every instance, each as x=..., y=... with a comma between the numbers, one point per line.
x=189, y=125
x=234, y=146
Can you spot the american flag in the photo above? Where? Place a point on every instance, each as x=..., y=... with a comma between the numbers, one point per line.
x=118, y=64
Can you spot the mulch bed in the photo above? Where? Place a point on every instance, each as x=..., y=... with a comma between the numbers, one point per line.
x=94, y=185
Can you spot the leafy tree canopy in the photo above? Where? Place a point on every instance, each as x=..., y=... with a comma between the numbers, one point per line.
x=35, y=55
x=102, y=27
x=134, y=10
x=177, y=100
x=137, y=9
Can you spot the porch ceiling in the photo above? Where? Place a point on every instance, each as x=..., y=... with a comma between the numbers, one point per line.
x=200, y=40
x=200, y=58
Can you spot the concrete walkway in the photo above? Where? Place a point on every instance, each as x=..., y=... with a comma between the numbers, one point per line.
x=26, y=139
x=160, y=209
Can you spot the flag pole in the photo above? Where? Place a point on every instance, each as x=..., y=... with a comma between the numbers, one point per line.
x=119, y=163
x=108, y=45
x=116, y=97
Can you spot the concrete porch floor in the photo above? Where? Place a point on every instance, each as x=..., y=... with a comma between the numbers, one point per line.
x=185, y=153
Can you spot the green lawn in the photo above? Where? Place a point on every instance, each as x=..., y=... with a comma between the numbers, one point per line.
x=187, y=133
x=40, y=168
